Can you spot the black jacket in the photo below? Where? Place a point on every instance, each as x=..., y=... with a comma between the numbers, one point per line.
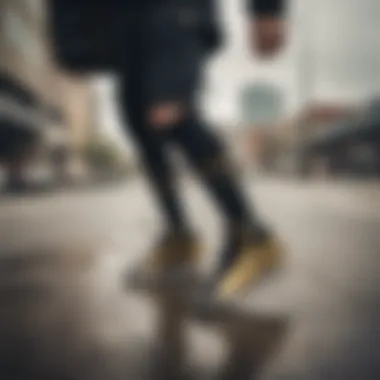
x=256, y=6
x=266, y=7
x=86, y=34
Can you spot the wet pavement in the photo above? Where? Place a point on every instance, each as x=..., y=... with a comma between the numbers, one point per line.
x=65, y=313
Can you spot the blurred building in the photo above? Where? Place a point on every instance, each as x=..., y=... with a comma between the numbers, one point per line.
x=344, y=140
x=268, y=143
x=321, y=115
x=25, y=56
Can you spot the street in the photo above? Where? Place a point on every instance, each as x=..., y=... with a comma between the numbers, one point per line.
x=70, y=311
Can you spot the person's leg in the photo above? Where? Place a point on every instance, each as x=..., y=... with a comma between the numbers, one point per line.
x=249, y=251
x=208, y=155
x=172, y=82
x=153, y=153
x=178, y=245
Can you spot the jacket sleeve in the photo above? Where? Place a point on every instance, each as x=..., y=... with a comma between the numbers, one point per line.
x=266, y=7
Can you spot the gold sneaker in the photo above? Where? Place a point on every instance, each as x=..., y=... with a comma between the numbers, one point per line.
x=253, y=263
x=174, y=251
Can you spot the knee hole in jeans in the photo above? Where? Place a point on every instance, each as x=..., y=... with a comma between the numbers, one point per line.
x=166, y=115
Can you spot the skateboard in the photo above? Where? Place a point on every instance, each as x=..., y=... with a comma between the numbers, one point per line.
x=252, y=338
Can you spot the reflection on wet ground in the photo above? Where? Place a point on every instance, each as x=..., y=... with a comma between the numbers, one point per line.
x=64, y=313
x=48, y=327
x=53, y=311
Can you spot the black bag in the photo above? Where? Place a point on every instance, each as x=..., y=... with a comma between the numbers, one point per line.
x=87, y=35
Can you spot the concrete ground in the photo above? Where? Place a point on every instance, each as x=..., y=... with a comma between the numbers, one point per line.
x=71, y=315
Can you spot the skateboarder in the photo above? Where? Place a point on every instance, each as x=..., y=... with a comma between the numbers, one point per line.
x=164, y=48
x=165, y=56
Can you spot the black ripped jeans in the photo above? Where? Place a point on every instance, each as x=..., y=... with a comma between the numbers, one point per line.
x=163, y=64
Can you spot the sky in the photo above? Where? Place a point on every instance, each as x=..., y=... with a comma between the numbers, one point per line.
x=333, y=55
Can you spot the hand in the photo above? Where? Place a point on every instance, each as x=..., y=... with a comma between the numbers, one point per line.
x=268, y=36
